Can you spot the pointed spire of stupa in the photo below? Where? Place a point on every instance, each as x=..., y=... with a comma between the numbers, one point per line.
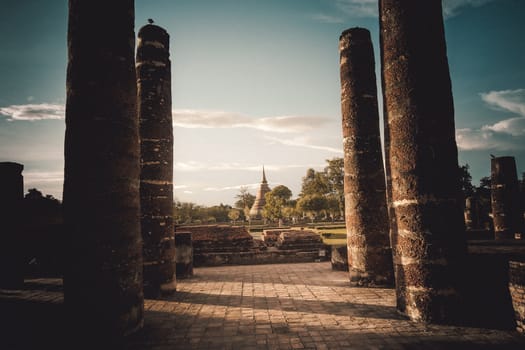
x=260, y=201
x=264, y=177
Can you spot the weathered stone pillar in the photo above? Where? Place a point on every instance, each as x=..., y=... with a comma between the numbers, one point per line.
x=103, y=278
x=12, y=194
x=156, y=144
x=505, y=200
x=428, y=231
x=472, y=214
x=369, y=252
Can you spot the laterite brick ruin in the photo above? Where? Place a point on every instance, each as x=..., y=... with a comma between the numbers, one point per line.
x=505, y=200
x=369, y=253
x=103, y=279
x=156, y=160
x=428, y=238
x=12, y=190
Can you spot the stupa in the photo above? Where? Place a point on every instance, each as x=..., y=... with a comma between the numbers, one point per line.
x=260, y=201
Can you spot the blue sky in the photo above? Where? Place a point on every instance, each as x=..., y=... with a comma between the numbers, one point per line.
x=257, y=82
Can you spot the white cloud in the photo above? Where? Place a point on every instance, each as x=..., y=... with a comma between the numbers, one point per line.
x=184, y=118
x=198, y=166
x=178, y=187
x=452, y=8
x=369, y=8
x=31, y=177
x=32, y=112
x=512, y=126
x=505, y=134
x=187, y=118
x=229, y=188
x=358, y=8
x=303, y=142
x=509, y=100
x=323, y=18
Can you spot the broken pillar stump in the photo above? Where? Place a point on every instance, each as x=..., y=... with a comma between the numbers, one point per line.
x=472, y=213
x=11, y=252
x=428, y=231
x=183, y=254
x=367, y=225
x=506, y=205
x=156, y=145
x=103, y=291
x=339, y=257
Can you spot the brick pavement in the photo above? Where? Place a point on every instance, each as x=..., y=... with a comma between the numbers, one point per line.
x=288, y=306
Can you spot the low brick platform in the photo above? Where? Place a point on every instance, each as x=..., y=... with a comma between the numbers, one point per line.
x=288, y=306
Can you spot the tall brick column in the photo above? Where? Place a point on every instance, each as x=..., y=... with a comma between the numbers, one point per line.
x=103, y=278
x=11, y=253
x=505, y=198
x=369, y=253
x=428, y=233
x=472, y=214
x=156, y=178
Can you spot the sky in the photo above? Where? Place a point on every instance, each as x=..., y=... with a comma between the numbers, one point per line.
x=256, y=82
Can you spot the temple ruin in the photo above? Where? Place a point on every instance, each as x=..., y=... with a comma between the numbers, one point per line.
x=257, y=207
x=103, y=292
x=428, y=233
x=505, y=201
x=118, y=197
x=367, y=226
x=156, y=160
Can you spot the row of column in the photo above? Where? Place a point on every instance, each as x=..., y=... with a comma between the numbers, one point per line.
x=118, y=168
x=426, y=225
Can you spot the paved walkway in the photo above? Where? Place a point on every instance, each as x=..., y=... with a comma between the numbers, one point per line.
x=291, y=306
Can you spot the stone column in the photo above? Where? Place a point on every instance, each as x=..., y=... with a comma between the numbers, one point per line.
x=472, y=215
x=505, y=200
x=11, y=253
x=103, y=278
x=156, y=144
x=428, y=231
x=367, y=226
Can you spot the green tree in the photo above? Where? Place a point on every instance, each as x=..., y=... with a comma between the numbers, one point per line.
x=465, y=180
x=276, y=200
x=244, y=199
x=314, y=183
x=282, y=192
x=234, y=214
x=335, y=174
x=312, y=205
x=333, y=209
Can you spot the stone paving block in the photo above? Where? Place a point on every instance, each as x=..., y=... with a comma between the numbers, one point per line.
x=287, y=306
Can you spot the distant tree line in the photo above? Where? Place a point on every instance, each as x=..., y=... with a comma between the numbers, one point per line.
x=321, y=199
x=191, y=213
